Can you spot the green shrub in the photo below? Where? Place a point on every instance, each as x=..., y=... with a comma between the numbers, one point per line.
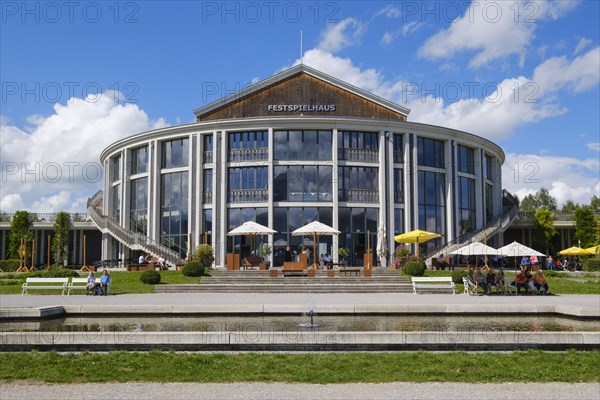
x=193, y=268
x=55, y=273
x=9, y=265
x=414, y=268
x=204, y=255
x=555, y=274
x=150, y=277
x=458, y=275
x=591, y=265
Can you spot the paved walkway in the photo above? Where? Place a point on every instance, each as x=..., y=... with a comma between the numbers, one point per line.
x=396, y=390
x=317, y=299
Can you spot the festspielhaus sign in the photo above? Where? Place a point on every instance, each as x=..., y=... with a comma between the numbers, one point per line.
x=301, y=107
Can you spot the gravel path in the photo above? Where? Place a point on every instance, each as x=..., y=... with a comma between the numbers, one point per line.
x=398, y=390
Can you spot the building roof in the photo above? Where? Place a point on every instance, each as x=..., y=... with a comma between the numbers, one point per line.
x=300, y=69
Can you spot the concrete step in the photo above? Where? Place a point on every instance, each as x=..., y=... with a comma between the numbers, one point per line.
x=283, y=288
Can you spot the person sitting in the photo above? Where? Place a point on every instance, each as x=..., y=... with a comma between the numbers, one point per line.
x=288, y=255
x=525, y=264
x=328, y=261
x=500, y=282
x=91, y=284
x=162, y=263
x=441, y=262
x=490, y=279
x=539, y=282
x=521, y=282
x=481, y=281
x=142, y=259
x=105, y=282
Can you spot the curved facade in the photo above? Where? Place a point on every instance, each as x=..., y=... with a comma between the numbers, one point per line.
x=286, y=162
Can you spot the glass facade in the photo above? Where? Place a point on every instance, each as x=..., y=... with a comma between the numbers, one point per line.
x=207, y=146
x=488, y=167
x=174, y=211
x=358, y=184
x=175, y=153
x=302, y=183
x=466, y=159
x=248, y=184
x=116, y=202
x=466, y=205
x=432, y=202
x=138, y=208
x=139, y=160
x=248, y=146
x=207, y=180
x=398, y=149
x=354, y=224
x=242, y=244
x=430, y=153
x=115, y=169
x=489, y=202
x=302, y=145
x=358, y=146
x=398, y=185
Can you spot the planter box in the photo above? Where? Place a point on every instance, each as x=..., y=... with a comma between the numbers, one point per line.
x=368, y=259
x=367, y=273
x=311, y=273
x=331, y=273
x=273, y=273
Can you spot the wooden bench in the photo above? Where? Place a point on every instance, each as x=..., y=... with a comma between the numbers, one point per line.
x=351, y=271
x=436, y=282
x=44, y=283
x=141, y=267
x=253, y=261
x=293, y=268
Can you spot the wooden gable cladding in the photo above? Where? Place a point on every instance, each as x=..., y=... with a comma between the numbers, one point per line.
x=301, y=89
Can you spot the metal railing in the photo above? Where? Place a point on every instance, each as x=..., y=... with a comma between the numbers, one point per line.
x=252, y=154
x=359, y=155
x=359, y=195
x=44, y=217
x=133, y=240
x=248, y=195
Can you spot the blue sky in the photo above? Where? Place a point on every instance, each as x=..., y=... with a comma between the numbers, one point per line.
x=523, y=74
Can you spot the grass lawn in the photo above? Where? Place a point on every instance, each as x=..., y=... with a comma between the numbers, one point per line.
x=530, y=366
x=122, y=283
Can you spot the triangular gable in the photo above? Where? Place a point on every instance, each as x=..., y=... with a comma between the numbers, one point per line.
x=301, y=90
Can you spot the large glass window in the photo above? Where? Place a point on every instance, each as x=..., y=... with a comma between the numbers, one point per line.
x=358, y=146
x=398, y=221
x=248, y=184
x=355, y=224
x=358, y=184
x=115, y=168
x=398, y=149
x=208, y=148
x=398, y=185
x=248, y=146
x=302, y=145
x=302, y=183
x=489, y=202
x=139, y=160
x=430, y=152
x=207, y=221
x=175, y=153
x=116, y=202
x=466, y=159
x=488, y=167
x=207, y=179
x=432, y=203
x=174, y=211
x=241, y=244
x=138, y=213
x=466, y=205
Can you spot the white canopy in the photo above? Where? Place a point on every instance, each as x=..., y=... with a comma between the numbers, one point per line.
x=315, y=228
x=476, y=249
x=251, y=228
x=516, y=249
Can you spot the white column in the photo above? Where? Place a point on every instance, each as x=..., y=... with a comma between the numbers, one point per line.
x=334, y=189
x=479, y=192
x=449, y=152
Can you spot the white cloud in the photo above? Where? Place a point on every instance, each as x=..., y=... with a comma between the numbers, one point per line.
x=577, y=75
x=593, y=146
x=493, y=30
x=407, y=29
x=389, y=12
x=583, y=43
x=342, y=34
x=565, y=178
x=53, y=165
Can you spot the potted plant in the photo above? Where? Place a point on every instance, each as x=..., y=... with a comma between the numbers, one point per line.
x=265, y=252
x=342, y=253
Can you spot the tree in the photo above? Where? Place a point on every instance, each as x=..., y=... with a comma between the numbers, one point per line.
x=541, y=200
x=20, y=228
x=585, y=227
x=569, y=207
x=545, y=230
x=60, y=241
x=595, y=204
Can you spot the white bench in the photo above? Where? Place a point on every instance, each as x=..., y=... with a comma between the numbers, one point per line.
x=75, y=284
x=435, y=282
x=44, y=283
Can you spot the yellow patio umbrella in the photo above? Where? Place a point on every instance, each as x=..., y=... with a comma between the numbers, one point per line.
x=417, y=236
x=590, y=251
x=571, y=251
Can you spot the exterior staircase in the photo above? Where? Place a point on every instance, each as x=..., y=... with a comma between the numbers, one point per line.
x=133, y=240
x=382, y=280
x=497, y=225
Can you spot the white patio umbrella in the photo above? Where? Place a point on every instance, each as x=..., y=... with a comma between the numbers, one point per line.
x=516, y=249
x=381, y=245
x=476, y=249
x=315, y=229
x=252, y=229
